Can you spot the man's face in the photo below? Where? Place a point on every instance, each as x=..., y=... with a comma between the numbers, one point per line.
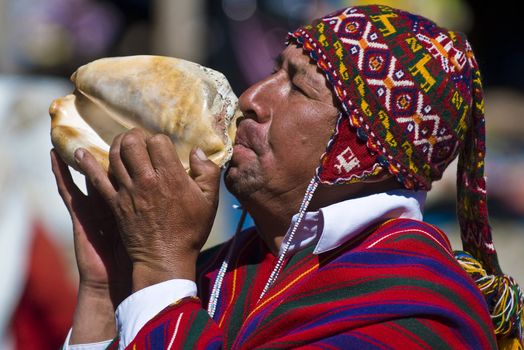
x=289, y=118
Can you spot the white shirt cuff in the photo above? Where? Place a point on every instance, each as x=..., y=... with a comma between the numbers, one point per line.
x=91, y=346
x=140, y=307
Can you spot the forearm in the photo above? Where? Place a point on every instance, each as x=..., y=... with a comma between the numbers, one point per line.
x=94, y=318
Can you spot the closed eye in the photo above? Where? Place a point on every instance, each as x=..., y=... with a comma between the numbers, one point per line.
x=297, y=88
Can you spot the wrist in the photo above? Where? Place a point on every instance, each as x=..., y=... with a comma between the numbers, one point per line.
x=115, y=292
x=93, y=288
x=94, y=318
x=148, y=274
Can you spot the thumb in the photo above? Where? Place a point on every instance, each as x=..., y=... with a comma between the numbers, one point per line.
x=205, y=173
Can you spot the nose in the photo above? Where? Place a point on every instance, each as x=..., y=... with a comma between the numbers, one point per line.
x=256, y=102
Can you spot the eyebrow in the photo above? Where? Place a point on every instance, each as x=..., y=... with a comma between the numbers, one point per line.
x=294, y=69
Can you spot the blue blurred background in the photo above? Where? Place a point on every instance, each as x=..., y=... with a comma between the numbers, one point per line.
x=43, y=41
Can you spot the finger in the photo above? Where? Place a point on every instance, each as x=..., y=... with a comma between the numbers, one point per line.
x=96, y=199
x=64, y=181
x=163, y=155
x=95, y=173
x=205, y=173
x=116, y=167
x=134, y=154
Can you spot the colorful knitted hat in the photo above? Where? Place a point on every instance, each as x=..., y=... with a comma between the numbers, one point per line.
x=411, y=93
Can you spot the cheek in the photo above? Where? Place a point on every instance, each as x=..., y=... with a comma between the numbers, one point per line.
x=299, y=152
x=308, y=135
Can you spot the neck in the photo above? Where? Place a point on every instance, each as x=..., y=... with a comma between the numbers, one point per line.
x=272, y=214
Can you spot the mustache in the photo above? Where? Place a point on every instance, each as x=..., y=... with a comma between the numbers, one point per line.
x=250, y=134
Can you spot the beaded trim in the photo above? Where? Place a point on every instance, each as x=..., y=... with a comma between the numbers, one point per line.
x=215, y=292
x=303, y=207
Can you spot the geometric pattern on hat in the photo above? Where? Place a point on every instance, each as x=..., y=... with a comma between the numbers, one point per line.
x=411, y=92
x=390, y=81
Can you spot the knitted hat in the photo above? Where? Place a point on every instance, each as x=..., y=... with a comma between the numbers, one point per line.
x=411, y=93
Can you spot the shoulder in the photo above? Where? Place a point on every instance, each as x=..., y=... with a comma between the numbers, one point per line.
x=416, y=258
x=413, y=252
x=409, y=243
x=408, y=266
x=409, y=235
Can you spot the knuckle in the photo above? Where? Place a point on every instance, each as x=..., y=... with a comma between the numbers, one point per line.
x=120, y=208
x=130, y=140
x=159, y=138
x=148, y=178
x=137, y=131
x=96, y=182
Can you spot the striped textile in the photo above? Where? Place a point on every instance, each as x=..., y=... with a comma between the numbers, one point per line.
x=396, y=287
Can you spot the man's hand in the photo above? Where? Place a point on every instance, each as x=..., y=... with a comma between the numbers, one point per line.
x=103, y=264
x=163, y=214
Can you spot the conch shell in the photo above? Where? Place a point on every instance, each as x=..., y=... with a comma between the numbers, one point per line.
x=192, y=104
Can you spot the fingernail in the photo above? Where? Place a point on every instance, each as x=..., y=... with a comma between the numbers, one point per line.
x=200, y=154
x=79, y=154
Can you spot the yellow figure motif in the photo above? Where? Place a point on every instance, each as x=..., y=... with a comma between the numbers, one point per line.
x=387, y=28
x=384, y=118
x=339, y=50
x=480, y=106
x=462, y=126
x=407, y=149
x=414, y=45
x=457, y=100
x=323, y=40
x=420, y=68
x=359, y=82
x=364, y=106
x=343, y=71
x=476, y=80
x=427, y=169
x=412, y=166
x=452, y=36
x=409, y=152
x=391, y=139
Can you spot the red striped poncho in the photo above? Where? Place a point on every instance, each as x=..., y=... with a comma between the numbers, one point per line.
x=395, y=287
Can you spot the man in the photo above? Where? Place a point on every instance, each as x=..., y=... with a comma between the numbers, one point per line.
x=395, y=98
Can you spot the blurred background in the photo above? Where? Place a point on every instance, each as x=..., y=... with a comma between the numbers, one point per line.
x=43, y=41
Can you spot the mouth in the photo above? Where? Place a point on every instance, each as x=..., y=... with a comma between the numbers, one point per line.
x=245, y=135
x=242, y=135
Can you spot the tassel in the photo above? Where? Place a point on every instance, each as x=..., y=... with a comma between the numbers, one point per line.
x=504, y=298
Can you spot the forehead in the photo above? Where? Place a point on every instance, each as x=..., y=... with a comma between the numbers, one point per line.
x=293, y=55
x=300, y=64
